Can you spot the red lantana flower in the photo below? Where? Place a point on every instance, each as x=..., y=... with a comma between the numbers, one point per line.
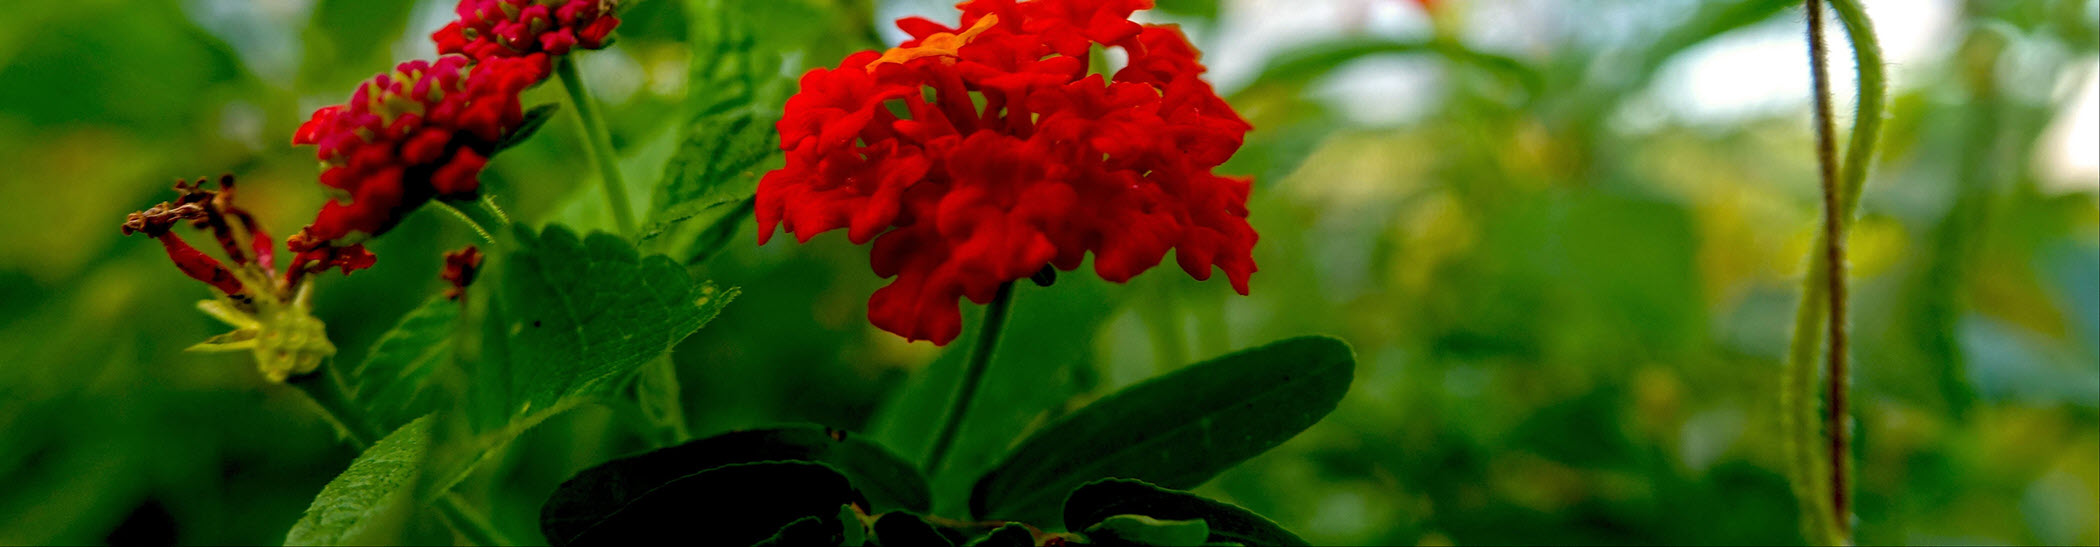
x=976, y=156
x=422, y=131
x=533, y=29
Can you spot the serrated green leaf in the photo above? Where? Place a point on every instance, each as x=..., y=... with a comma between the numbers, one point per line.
x=534, y=119
x=394, y=380
x=1177, y=430
x=366, y=504
x=1144, y=530
x=1097, y=501
x=583, y=313
x=738, y=504
x=594, y=493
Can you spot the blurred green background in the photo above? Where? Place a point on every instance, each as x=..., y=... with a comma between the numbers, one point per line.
x=1564, y=238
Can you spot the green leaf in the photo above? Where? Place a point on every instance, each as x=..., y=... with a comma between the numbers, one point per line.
x=1013, y=534
x=368, y=502
x=534, y=119
x=717, y=167
x=1297, y=68
x=596, y=492
x=1177, y=430
x=394, y=381
x=1099, y=500
x=1204, y=9
x=854, y=530
x=738, y=504
x=898, y=528
x=583, y=314
x=1144, y=530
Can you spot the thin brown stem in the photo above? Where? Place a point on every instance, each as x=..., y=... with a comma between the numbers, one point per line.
x=1834, y=276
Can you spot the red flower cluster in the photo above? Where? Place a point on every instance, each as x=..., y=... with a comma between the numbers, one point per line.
x=422, y=131
x=491, y=29
x=239, y=235
x=975, y=156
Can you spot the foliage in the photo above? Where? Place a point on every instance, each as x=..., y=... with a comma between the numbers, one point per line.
x=1556, y=301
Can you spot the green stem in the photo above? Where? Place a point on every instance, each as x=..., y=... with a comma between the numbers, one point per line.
x=325, y=388
x=468, y=522
x=973, y=375
x=597, y=142
x=1820, y=477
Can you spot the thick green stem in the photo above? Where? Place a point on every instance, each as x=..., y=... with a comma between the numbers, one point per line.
x=1820, y=475
x=973, y=375
x=329, y=395
x=597, y=142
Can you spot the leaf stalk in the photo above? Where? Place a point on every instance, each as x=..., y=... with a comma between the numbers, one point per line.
x=973, y=375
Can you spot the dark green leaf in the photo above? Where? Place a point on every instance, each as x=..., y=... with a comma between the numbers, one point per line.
x=803, y=531
x=368, y=502
x=738, y=504
x=394, y=381
x=1013, y=534
x=1144, y=530
x=1177, y=430
x=601, y=490
x=582, y=314
x=810, y=530
x=1099, y=500
x=534, y=119
x=899, y=529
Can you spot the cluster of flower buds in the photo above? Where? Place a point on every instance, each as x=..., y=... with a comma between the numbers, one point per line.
x=460, y=268
x=423, y=131
x=534, y=29
x=974, y=156
x=420, y=132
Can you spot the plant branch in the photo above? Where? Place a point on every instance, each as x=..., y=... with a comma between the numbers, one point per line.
x=973, y=374
x=597, y=143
